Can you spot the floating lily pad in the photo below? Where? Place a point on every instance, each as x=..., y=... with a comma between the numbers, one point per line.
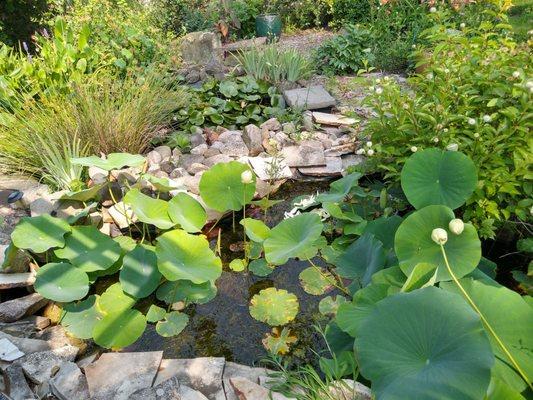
x=237, y=265
x=114, y=300
x=183, y=290
x=162, y=185
x=330, y=304
x=118, y=330
x=316, y=281
x=40, y=234
x=113, y=161
x=61, y=282
x=149, y=210
x=274, y=306
x=139, y=275
x=173, y=324
x=181, y=255
x=187, y=212
x=260, y=267
x=79, y=319
x=255, y=229
x=293, y=237
x=279, y=341
x=89, y=249
x=155, y=313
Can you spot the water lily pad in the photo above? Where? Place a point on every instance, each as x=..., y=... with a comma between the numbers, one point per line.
x=173, y=324
x=149, y=210
x=449, y=353
x=79, y=319
x=237, y=265
x=434, y=176
x=181, y=255
x=139, y=275
x=413, y=243
x=187, y=212
x=279, y=341
x=114, y=300
x=293, y=237
x=260, y=267
x=89, y=249
x=40, y=234
x=183, y=290
x=221, y=187
x=316, y=281
x=274, y=306
x=155, y=313
x=329, y=305
x=118, y=330
x=255, y=229
x=61, y=282
x=113, y=161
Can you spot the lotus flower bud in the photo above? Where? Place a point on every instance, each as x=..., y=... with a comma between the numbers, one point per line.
x=457, y=226
x=439, y=236
x=247, y=177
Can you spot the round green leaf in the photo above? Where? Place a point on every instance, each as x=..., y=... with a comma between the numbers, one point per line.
x=221, y=187
x=329, y=305
x=173, y=324
x=293, y=237
x=113, y=161
x=114, y=300
x=61, y=282
x=155, y=313
x=139, y=275
x=39, y=234
x=424, y=344
x=149, y=210
x=182, y=290
x=255, y=229
x=187, y=212
x=437, y=177
x=79, y=319
x=413, y=243
x=260, y=267
x=237, y=265
x=119, y=330
x=274, y=306
x=184, y=256
x=316, y=281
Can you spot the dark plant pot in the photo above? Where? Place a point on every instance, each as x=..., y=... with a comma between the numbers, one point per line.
x=268, y=25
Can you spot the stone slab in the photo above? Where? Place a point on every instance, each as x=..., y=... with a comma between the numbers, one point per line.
x=245, y=389
x=69, y=383
x=17, y=386
x=304, y=155
x=333, y=167
x=8, y=351
x=40, y=367
x=10, y=281
x=234, y=370
x=266, y=168
x=167, y=390
x=15, y=309
x=332, y=119
x=311, y=98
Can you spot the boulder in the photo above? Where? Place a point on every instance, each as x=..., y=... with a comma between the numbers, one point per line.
x=268, y=168
x=200, y=149
x=69, y=383
x=271, y=124
x=167, y=390
x=333, y=167
x=187, y=160
x=199, y=48
x=233, y=370
x=10, y=281
x=154, y=158
x=332, y=119
x=252, y=138
x=17, y=386
x=40, y=367
x=15, y=309
x=311, y=98
x=164, y=151
x=219, y=158
x=308, y=153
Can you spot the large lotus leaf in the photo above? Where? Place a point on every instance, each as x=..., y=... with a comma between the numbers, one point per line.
x=61, y=282
x=274, y=306
x=139, y=275
x=340, y=188
x=384, y=229
x=162, y=185
x=260, y=267
x=221, y=187
x=118, y=330
x=293, y=237
x=422, y=275
x=113, y=161
x=114, y=300
x=511, y=318
x=173, y=324
x=89, y=249
x=413, y=243
x=392, y=277
x=187, y=212
x=498, y=390
x=182, y=290
x=149, y=210
x=426, y=344
x=181, y=255
x=126, y=244
x=85, y=194
x=39, y=234
x=437, y=177
x=255, y=229
x=79, y=319
x=316, y=281
x=155, y=313
x=361, y=260
x=329, y=305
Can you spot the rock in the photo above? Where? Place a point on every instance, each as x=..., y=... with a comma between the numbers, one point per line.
x=18, y=388
x=117, y=375
x=167, y=167
x=26, y=326
x=197, y=139
x=17, y=263
x=350, y=390
x=176, y=155
x=270, y=168
x=199, y=48
x=193, y=76
x=281, y=138
x=8, y=351
x=192, y=182
x=122, y=215
x=126, y=175
x=167, y=390
x=307, y=121
x=178, y=173
x=252, y=138
x=154, y=158
x=271, y=124
x=199, y=150
x=69, y=383
x=340, y=150
x=311, y=98
x=332, y=119
x=333, y=131
x=245, y=389
x=97, y=175
x=309, y=153
x=165, y=152
x=211, y=151
x=160, y=174
x=203, y=374
x=87, y=360
x=57, y=336
x=44, y=205
x=233, y=370
x=40, y=367
x=220, y=158
x=233, y=144
x=324, y=139
x=288, y=128
x=197, y=167
x=14, y=310
x=333, y=167
x=29, y=346
x=217, y=145
x=10, y=281
x=188, y=159
x=188, y=393
x=351, y=159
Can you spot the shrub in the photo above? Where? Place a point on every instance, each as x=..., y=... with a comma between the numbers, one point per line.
x=351, y=11
x=183, y=16
x=301, y=14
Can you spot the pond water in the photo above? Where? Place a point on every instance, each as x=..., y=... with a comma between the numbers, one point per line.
x=223, y=327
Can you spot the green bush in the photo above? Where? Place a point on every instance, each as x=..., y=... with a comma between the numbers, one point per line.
x=301, y=14
x=183, y=16
x=475, y=94
x=351, y=11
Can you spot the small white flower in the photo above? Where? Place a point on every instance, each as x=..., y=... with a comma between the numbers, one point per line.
x=446, y=71
x=457, y=226
x=247, y=177
x=439, y=236
x=370, y=152
x=360, y=152
x=476, y=135
x=471, y=121
x=429, y=76
x=433, y=10
x=379, y=90
x=306, y=202
x=529, y=84
x=371, y=88
x=435, y=140
x=414, y=149
x=516, y=74
x=413, y=46
x=463, y=25
x=378, y=80
x=452, y=147
x=174, y=118
x=487, y=118
x=445, y=130
x=369, y=144
x=405, y=106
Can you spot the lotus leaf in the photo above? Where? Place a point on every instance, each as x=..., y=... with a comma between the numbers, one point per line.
x=182, y=290
x=255, y=229
x=79, y=319
x=274, y=306
x=422, y=275
x=155, y=313
x=279, y=340
x=113, y=161
x=329, y=305
x=187, y=212
x=61, y=282
x=384, y=229
x=118, y=330
x=237, y=265
x=40, y=234
x=72, y=219
x=149, y=210
x=140, y=276
x=86, y=194
x=162, y=185
x=316, y=281
x=114, y=300
x=173, y=324
x=260, y=267
x=340, y=188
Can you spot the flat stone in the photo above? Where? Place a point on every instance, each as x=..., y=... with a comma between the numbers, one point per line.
x=69, y=383
x=29, y=346
x=332, y=119
x=122, y=215
x=18, y=263
x=188, y=393
x=307, y=154
x=17, y=386
x=268, y=168
x=26, y=326
x=164, y=151
x=40, y=367
x=349, y=160
x=271, y=124
x=333, y=167
x=311, y=98
x=234, y=370
x=340, y=150
x=245, y=389
x=15, y=309
x=117, y=375
x=167, y=390
x=235, y=148
x=252, y=138
x=10, y=281
x=199, y=150
x=57, y=335
x=246, y=44
x=203, y=374
x=8, y=351
x=219, y=158
x=350, y=390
